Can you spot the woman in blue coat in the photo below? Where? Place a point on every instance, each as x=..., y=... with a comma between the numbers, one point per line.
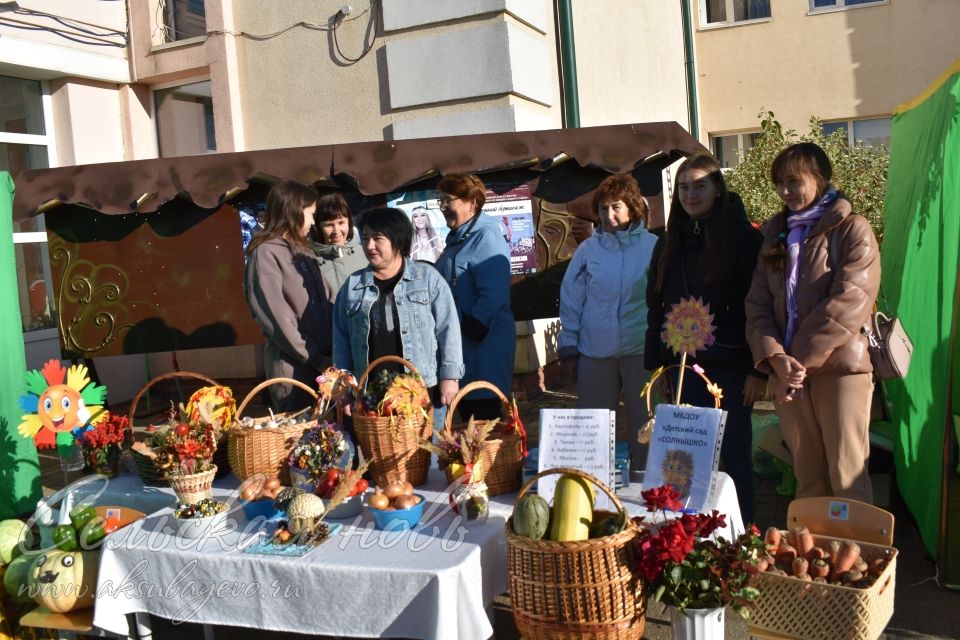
x=476, y=265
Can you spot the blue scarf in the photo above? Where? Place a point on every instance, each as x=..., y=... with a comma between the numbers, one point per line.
x=800, y=224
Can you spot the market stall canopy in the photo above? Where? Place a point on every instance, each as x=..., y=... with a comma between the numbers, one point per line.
x=148, y=256
x=371, y=167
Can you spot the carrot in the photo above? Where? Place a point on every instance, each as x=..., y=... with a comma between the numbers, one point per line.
x=754, y=567
x=792, y=537
x=772, y=540
x=805, y=577
x=800, y=566
x=786, y=554
x=777, y=572
x=833, y=549
x=849, y=577
x=876, y=567
x=861, y=565
x=816, y=553
x=821, y=580
x=819, y=568
x=846, y=556
x=804, y=541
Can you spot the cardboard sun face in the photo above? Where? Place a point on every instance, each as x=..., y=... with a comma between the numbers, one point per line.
x=59, y=403
x=688, y=327
x=62, y=409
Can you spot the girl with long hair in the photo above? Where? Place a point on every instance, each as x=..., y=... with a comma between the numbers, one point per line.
x=287, y=296
x=709, y=252
x=427, y=243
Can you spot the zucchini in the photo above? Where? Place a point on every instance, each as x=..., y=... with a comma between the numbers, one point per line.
x=573, y=501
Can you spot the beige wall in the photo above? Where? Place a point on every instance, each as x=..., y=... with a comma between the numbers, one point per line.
x=854, y=63
x=87, y=122
x=630, y=61
x=108, y=15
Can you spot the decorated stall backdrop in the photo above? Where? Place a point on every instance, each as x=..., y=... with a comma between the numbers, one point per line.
x=919, y=258
x=19, y=467
x=147, y=255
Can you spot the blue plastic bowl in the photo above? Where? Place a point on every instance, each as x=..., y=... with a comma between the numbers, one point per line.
x=399, y=519
x=257, y=508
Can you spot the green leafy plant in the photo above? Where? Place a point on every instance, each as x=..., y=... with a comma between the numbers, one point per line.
x=859, y=171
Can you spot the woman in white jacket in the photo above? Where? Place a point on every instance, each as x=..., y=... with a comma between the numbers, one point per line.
x=603, y=306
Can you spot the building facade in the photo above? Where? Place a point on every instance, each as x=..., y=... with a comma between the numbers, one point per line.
x=846, y=62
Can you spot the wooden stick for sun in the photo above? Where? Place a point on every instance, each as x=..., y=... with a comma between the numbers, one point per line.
x=683, y=368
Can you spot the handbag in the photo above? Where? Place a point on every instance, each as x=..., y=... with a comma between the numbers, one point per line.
x=889, y=346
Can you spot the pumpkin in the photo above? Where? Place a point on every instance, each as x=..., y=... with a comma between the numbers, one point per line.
x=65, y=580
x=531, y=517
x=303, y=511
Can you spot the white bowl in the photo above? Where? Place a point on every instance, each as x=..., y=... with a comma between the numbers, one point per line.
x=349, y=508
x=192, y=528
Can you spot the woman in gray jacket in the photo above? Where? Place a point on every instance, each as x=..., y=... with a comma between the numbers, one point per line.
x=287, y=295
x=338, y=252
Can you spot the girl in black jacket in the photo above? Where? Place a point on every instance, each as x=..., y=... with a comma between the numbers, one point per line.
x=709, y=251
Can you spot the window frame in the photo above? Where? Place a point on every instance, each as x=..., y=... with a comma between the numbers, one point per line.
x=47, y=140
x=705, y=26
x=849, y=122
x=741, y=147
x=155, y=116
x=842, y=6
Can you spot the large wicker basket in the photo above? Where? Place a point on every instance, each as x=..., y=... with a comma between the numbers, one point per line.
x=392, y=443
x=588, y=589
x=151, y=476
x=811, y=611
x=253, y=451
x=502, y=456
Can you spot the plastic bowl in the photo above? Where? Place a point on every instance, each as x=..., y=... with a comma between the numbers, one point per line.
x=349, y=508
x=192, y=528
x=398, y=519
x=260, y=508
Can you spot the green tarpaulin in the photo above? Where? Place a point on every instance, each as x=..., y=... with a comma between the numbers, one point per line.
x=19, y=469
x=919, y=257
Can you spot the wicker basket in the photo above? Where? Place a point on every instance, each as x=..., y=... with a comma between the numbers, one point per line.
x=502, y=454
x=812, y=611
x=253, y=451
x=392, y=443
x=193, y=488
x=151, y=476
x=587, y=589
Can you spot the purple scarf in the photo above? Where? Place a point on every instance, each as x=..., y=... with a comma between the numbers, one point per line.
x=800, y=224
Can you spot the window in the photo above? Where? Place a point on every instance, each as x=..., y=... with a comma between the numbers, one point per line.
x=26, y=143
x=184, y=19
x=184, y=116
x=820, y=5
x=872, y=132
x=729, y=11
x=733, y=148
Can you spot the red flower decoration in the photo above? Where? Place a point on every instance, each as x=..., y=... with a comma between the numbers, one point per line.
x=664, y=498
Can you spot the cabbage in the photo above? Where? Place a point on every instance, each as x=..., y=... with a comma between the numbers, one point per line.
x=12, y=532
x=18, y=575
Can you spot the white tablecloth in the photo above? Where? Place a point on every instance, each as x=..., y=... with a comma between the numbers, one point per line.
x=434, y=582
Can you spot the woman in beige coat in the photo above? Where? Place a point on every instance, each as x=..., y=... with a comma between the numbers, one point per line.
x=813, y=289
x=287, y=295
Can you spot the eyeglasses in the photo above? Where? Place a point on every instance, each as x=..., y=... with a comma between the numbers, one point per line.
x=447, y=199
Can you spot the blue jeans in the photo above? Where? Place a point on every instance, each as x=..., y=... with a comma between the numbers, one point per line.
x=736, y=451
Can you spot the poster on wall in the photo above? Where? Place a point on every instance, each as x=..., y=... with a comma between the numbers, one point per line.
x=513, y=210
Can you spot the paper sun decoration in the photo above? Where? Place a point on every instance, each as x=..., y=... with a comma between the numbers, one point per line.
x=688, y=327
x=58, y=412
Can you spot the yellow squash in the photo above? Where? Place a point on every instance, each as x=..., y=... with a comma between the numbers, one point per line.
x=573, y=501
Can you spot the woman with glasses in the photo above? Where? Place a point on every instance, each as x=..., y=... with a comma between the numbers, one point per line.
x=476, y=265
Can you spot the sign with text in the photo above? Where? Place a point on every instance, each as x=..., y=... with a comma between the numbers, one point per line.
x=580, y=438
x=685, y=451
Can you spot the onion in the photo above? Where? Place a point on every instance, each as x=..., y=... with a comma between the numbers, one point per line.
x=407, y=489
x=249, y=492
x=378, y=500
x=405, y=502
x=393, y=490
x=272, y=483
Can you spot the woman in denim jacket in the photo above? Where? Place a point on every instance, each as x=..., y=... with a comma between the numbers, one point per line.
x=476, y=265
x=397, y=306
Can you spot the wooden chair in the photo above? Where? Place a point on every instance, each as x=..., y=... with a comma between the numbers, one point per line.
x=67, y=625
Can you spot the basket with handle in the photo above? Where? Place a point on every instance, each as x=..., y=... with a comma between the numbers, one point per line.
x=265, y=450
x=584, y=589
x=144, y=462
x=392, y=443
x=502, y=457
x=646, y=429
